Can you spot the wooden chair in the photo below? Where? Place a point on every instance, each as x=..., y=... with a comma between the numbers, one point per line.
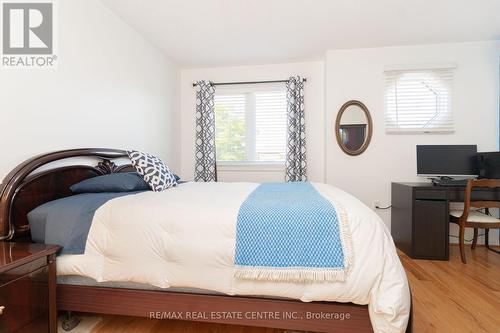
x=473, y=218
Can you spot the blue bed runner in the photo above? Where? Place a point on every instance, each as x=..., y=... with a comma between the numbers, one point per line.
x=290, y=232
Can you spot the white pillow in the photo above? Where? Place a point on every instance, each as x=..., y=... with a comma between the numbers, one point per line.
x=153, y=170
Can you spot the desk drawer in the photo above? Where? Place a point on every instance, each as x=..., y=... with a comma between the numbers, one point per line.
x=430, y=229
x=430, y=194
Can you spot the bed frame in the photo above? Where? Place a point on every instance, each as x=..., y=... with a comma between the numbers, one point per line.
x=28, y=186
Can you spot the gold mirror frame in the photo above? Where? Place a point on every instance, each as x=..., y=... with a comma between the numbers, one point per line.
x=368, y=134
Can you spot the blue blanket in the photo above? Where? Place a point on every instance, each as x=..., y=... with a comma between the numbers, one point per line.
x=289, y=232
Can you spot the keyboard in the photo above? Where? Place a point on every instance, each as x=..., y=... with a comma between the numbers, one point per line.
x=450, y=182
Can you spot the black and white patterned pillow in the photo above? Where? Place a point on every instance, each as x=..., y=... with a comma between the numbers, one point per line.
x=153, y=170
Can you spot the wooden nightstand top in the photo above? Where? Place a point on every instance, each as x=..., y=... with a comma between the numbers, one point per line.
x=14, y=254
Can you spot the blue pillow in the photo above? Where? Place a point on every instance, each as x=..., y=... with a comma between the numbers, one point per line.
x=113, y=182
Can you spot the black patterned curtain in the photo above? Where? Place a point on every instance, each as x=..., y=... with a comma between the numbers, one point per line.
x=295, y=165
x=206, y=168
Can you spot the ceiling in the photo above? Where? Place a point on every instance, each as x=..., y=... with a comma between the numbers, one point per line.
x=201, y=33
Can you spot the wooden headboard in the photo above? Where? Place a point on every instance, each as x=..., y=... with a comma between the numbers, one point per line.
x=24, y=189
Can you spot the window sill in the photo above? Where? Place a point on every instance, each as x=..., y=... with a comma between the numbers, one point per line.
x=250, y=166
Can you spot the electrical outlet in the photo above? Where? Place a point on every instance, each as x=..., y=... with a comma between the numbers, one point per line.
x=376, y=203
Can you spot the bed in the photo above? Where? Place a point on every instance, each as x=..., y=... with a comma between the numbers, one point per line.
x=199, y=283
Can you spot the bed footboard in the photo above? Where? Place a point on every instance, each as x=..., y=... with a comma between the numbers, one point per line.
x=248, y=311
x=236, y=310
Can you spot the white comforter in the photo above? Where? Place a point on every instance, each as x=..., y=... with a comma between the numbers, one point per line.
x=185, y=237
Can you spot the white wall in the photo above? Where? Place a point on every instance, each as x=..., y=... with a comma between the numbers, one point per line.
x=314, y=100
x=111, y=89
x=358, y=74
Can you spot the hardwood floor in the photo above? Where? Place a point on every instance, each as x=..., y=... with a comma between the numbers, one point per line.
x=447, y=297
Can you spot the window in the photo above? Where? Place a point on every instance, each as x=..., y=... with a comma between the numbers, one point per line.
x=419, y=100
x=250, y=124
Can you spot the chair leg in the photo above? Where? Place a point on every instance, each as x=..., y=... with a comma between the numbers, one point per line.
x=474, y=240
x=461, y=236
x=487, y=241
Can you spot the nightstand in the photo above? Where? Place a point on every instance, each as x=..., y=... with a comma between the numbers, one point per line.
x=28, y=288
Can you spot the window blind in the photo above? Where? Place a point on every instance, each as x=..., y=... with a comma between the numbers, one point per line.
x=250, y=124
x=230, y=127
x=270, y=125
x=419, y=100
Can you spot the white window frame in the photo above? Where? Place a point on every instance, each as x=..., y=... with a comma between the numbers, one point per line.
x=250, y=140
x=445, y=72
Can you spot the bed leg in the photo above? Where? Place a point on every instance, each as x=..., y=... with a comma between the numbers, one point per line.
x=70, y=321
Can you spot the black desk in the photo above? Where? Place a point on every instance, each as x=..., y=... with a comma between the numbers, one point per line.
x=420, y=216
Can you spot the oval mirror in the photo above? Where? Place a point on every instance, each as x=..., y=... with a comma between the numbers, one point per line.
x=353, y=127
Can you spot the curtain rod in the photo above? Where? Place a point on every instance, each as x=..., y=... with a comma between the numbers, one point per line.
x=247, y=82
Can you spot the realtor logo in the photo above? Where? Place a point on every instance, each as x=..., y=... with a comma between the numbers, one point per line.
x=27, y=28
x=28, y=34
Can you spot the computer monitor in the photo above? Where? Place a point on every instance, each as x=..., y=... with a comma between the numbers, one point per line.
x=489, y=165
x=447, y=160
